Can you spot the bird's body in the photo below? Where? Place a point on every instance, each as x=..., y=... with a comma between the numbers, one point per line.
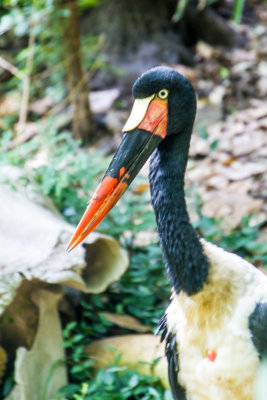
x=215, y=327
x=207, y=324
x=214, y=322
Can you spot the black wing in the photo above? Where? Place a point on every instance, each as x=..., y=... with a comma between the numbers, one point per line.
x=258, y=328
x=171, y=352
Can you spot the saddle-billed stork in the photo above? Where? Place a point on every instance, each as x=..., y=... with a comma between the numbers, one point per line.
x=215, y=327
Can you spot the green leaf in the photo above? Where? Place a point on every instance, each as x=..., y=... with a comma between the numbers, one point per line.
x=85, y=4
x=238, y=10
x=180, y=9
x=134, y=380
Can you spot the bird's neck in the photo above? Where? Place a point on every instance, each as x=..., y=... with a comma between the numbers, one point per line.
x=186, y=264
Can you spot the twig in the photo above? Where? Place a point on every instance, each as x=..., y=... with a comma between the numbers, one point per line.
x=11, y=68
x=27, y=80
x=87, y=76
x=25, y=137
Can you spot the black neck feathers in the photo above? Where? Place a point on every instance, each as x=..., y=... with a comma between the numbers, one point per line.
x=186, y=264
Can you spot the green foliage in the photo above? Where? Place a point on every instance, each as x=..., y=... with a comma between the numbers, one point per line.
x=45, y=18
x=143, y=291
x=247, y=241
x=66, y=175
x=7, y=385
x=180, y=9
x=85, y=4
x=115, y=382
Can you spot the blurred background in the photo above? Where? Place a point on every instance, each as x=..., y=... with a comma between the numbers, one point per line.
x=66, y=73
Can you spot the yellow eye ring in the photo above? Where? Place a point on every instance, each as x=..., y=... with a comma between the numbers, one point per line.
x=163, y=94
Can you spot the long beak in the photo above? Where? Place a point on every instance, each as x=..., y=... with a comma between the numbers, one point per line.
x=144, y=130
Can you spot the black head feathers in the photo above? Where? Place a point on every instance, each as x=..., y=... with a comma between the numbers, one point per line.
x=181, y=96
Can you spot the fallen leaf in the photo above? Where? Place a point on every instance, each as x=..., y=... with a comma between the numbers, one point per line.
x=240, y=187
x=141, y=188
x=257, y=112
x=102, y=100
x=238, y=171
x=231, y=207
x=229, y=161
x=3, y=362
x=263, y=123
x=217, y=182
x=204, y=50
x=115, y=120
x=262, y=85
x=145, y=238
x=198, y=146
x=41, y=106
x=126, y=321
x=137, y=352
x=217, y=94
x=240, y=55
x=9, y=104
x=248, y=143
x=31, y=129
x=39, y=159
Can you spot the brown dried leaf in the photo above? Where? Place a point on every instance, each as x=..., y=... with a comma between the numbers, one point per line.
x=141, y=188
x=263, y=122
x=145, y=238
x=3, y=361
x=126, y=321
x=232, y=207
x=201, y=170
x=257, y=112
x=240, y=187
x=102, y=100
x=262, y=86
x=240, y=55
x=9, y=104
x=198, y=146
x=248, y=143
x=217, y=181
x=137, y=352
x=204, y=50
x=229, y=161
x=41, y=106
x=238, y=171
x=217, y=94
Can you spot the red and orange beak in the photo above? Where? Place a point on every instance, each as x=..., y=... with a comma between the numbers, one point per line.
x=144, y=130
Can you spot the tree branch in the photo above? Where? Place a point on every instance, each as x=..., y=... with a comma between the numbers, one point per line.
x=27, y=81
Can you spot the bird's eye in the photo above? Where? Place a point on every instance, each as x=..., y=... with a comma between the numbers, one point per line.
x=163, y=94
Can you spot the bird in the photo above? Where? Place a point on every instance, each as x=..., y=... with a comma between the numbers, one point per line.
x=215, y=327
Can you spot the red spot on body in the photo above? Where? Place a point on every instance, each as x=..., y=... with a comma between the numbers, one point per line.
x=211, y=354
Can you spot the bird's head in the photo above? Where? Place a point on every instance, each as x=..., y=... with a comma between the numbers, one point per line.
x=165, y=105
x=163, y=88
